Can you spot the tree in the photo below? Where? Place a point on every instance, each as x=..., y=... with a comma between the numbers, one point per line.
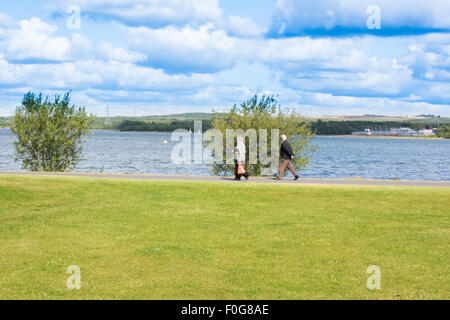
x=264, y=113
x=49, y=133
x=444, y=131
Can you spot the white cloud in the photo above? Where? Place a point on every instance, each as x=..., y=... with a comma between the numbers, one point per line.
x=108, y=51
x=305, y=53
x=86, y=74
x=34, y=39
x=217, y=94
x=147, y=12
x=161, y=13
x=208, y=49
x=187, y=49
x=381, y=78
x=319, y=104
x=429, y=57
x=244, y=27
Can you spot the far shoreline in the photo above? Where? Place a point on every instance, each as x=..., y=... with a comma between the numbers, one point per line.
x=382, y=137
x=322, y=136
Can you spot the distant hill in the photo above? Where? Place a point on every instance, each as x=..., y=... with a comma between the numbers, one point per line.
x=116, y=122
x=182, y=116
x=161, y=126
x=427, y=116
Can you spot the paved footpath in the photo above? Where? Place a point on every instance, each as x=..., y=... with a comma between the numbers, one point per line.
x=230, y=180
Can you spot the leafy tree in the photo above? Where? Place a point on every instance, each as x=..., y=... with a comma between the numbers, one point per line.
x=49, y=133
x=444, y=131
x=264, y=113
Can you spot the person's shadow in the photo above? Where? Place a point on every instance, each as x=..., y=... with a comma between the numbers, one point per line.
x=227, y=178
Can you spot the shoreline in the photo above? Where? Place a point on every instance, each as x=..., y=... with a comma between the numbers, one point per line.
x=382, y=137
x=321, y=136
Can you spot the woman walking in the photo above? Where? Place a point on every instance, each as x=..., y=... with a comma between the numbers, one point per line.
x=239, y=159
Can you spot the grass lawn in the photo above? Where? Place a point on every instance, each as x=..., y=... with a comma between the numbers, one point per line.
x=200, y=240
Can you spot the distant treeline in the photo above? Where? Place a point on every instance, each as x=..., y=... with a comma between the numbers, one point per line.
x=157, y=126
x=329, y=128
x=320, y=127
x=444, y=131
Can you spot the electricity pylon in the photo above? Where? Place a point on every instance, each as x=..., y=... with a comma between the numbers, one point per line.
x=108, y=123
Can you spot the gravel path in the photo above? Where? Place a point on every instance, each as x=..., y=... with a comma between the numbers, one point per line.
x=230, y=180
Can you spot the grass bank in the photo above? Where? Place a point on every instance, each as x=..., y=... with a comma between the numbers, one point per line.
x=199, y=240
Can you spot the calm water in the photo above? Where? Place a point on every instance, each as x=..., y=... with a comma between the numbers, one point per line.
x=144, y=152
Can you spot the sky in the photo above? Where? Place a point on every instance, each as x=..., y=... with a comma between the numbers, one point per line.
x=147, y=57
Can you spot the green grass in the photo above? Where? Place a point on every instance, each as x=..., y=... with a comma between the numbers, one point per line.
x=199, y=240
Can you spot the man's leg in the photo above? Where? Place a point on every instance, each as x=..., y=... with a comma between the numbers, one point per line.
x=282, y=168
x=292, y=169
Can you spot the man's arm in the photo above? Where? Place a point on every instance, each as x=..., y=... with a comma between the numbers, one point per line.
x=289, y=149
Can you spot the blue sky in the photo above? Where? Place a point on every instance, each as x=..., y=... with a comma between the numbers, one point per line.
x=174, y=56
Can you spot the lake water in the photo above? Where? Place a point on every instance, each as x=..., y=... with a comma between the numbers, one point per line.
x=374, y=158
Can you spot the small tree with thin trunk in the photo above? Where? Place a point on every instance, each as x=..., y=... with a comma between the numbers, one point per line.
x=265, y=113
x=49, y=133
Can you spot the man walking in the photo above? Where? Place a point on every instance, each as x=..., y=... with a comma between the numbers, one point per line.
x=286, y=159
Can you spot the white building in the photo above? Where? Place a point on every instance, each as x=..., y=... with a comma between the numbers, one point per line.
x=403, y=132
x=426, y=132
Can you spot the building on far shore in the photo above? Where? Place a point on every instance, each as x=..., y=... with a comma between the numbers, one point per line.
x=395, y=132
x=426, y=132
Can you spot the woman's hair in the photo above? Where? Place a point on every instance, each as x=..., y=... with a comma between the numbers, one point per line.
x=283, y=137
x=240, y=139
